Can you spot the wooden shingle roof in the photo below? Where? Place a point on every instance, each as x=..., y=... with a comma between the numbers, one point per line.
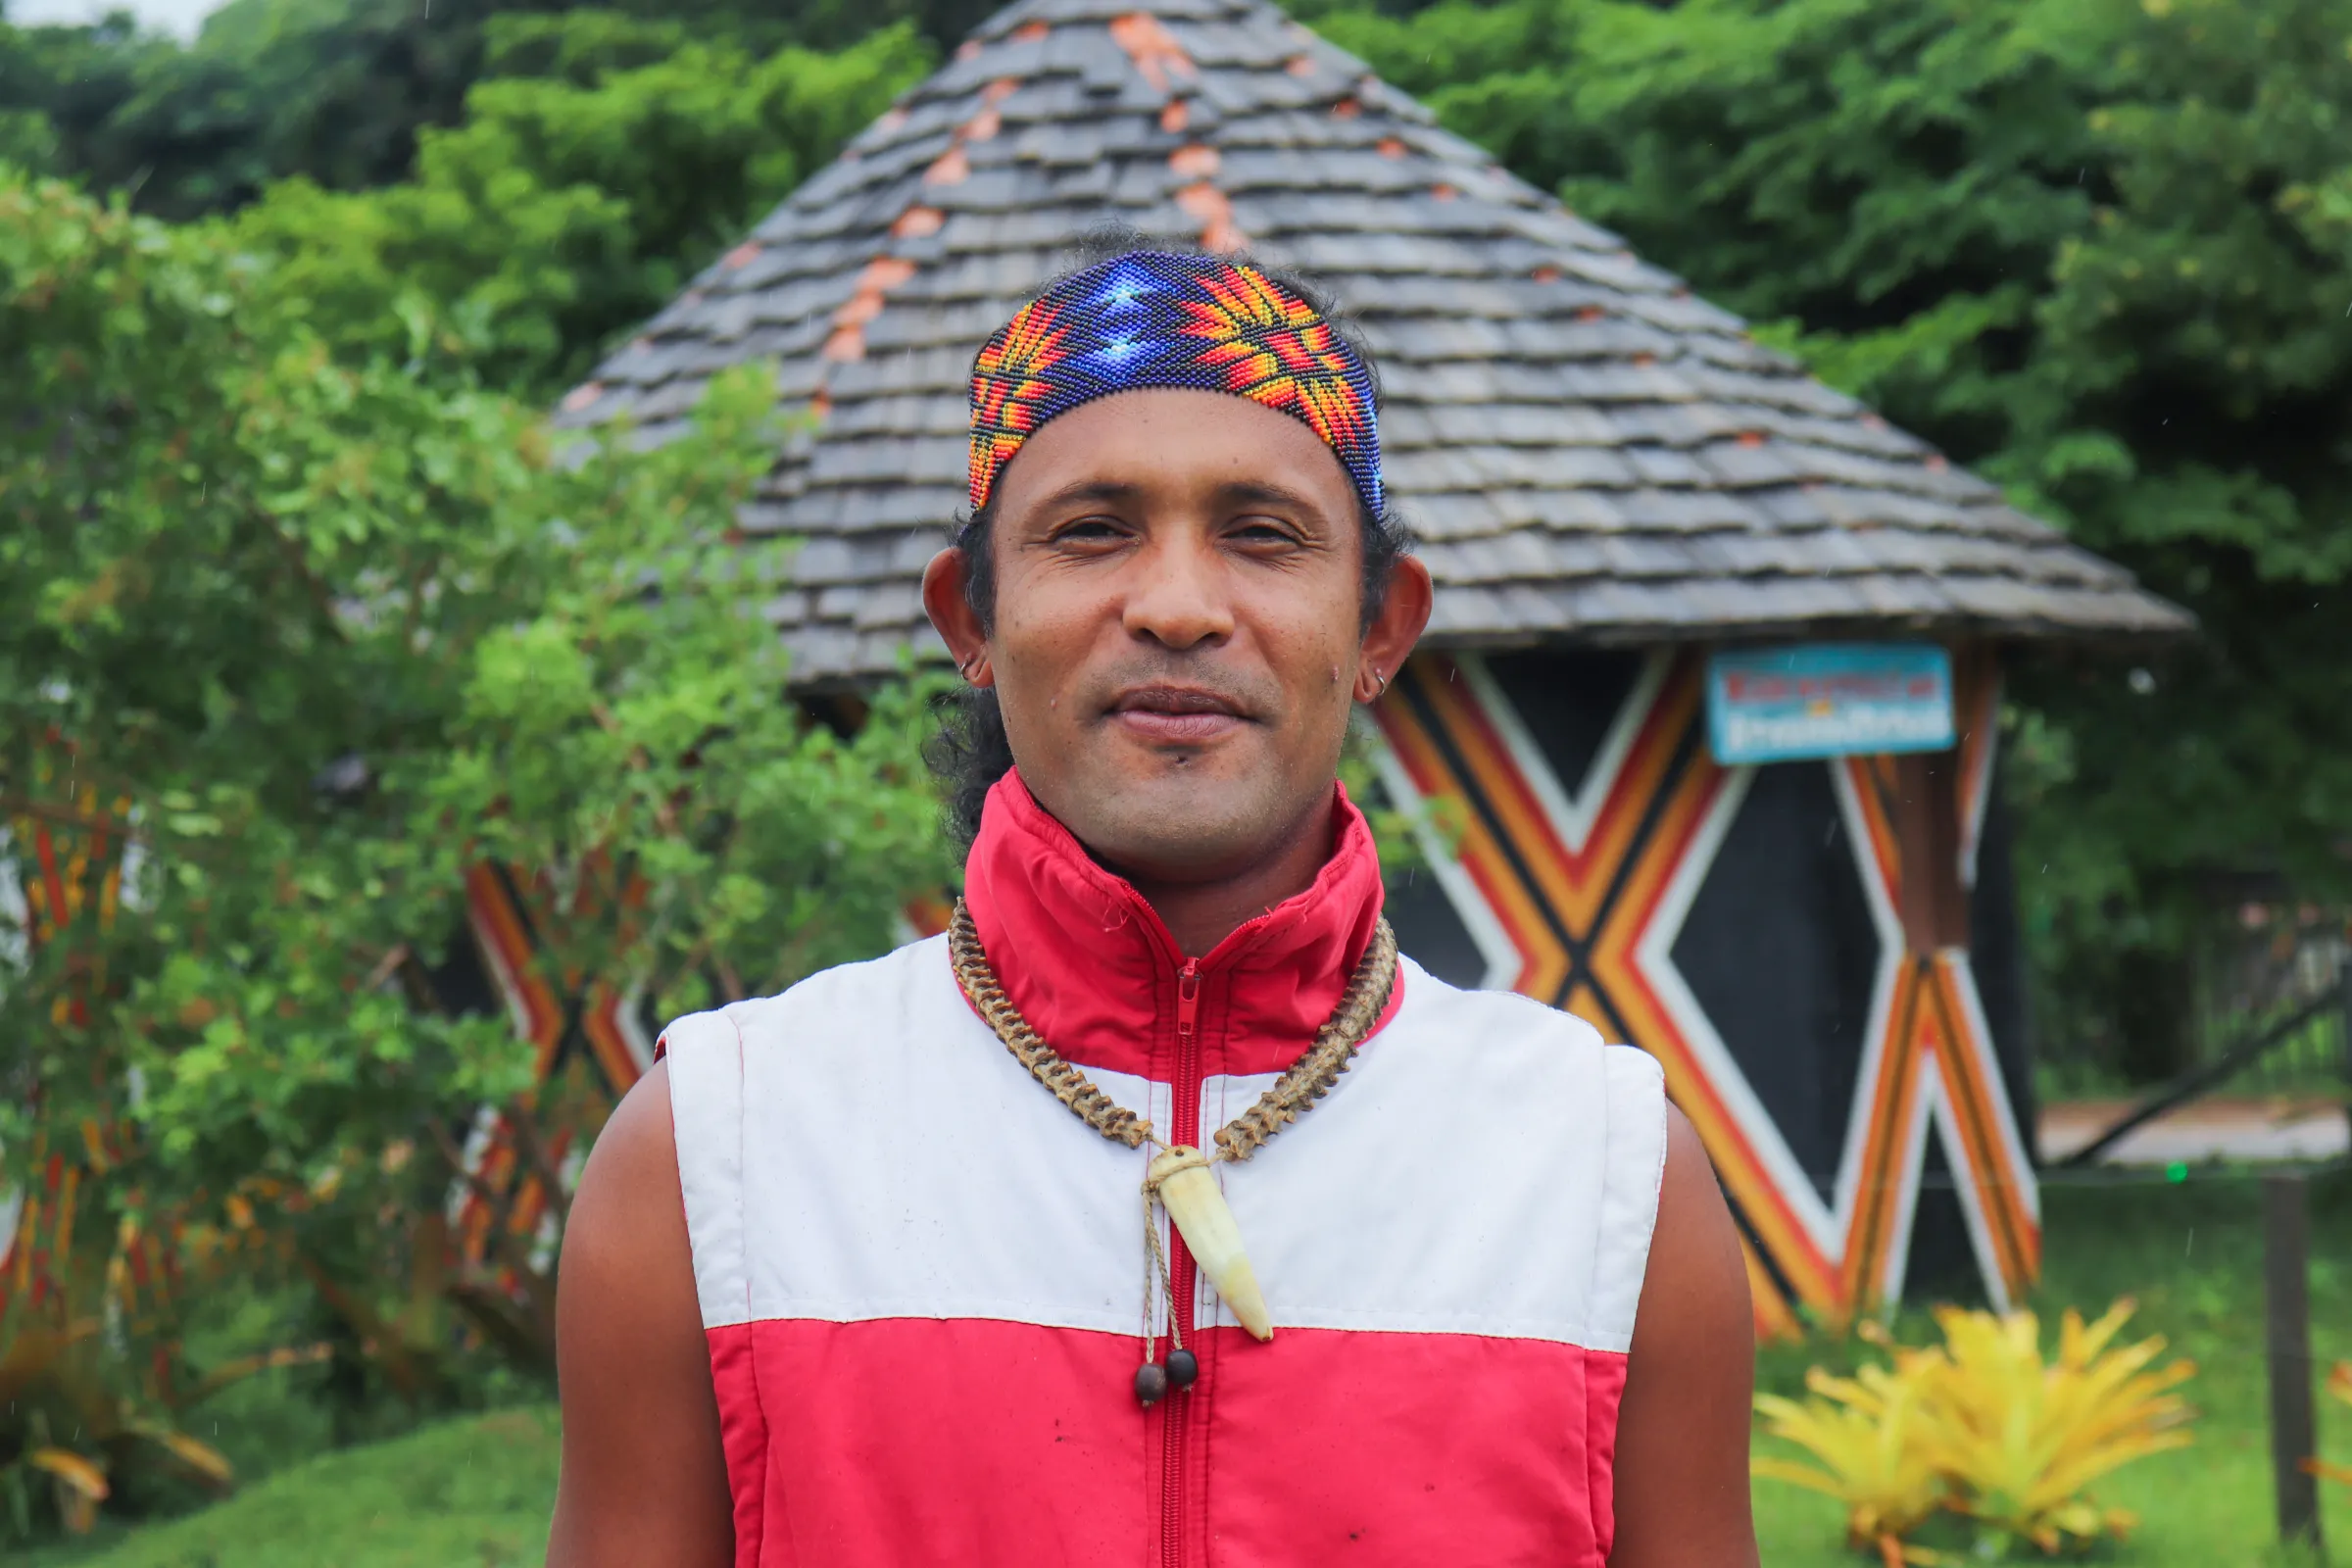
x=1588, y=451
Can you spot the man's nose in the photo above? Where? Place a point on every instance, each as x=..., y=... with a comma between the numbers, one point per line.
x=1178, y=596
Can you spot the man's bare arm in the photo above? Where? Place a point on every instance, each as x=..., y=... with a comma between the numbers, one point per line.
x=1683, y=1433
x=644, y=1479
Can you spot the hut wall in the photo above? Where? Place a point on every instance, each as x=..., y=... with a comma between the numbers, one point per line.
x=1743, y=926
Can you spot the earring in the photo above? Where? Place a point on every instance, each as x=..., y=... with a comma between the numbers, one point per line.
x=1384, y=685
x=970, y=664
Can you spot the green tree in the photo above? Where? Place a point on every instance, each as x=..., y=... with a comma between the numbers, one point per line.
x=315, y=639
x=330, y=89
x=565, y=210
x=340, y=92
x=2102, y=251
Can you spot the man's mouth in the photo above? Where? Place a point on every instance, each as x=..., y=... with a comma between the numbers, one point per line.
x=1176, y=715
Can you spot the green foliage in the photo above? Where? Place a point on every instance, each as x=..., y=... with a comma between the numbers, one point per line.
x=339, y=92
x=2099, y=249
x=330, y=89
x=72, y=1434
x=316, y=638
x=564, y=212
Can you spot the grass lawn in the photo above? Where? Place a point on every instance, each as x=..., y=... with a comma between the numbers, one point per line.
x=471, y=1494
x=476, y=1492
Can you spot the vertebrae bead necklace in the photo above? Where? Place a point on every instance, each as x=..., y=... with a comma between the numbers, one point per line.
x=1179, y=1179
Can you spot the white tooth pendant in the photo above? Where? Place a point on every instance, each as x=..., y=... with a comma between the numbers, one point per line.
x=1196, y=1205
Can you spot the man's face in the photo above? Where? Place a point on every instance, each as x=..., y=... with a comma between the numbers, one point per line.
x=1178, y=635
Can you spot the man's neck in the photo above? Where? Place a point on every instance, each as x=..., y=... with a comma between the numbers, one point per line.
x=1202, y=914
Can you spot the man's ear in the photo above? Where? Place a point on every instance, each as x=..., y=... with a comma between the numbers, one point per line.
x=952, y=616
x=1388, y=640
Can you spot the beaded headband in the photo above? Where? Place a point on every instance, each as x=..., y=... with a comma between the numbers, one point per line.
x=1153, y=319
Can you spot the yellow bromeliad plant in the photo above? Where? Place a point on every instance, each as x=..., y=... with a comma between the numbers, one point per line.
x=1866, y=1436
x=1981, y=1427
x=2022, y=1440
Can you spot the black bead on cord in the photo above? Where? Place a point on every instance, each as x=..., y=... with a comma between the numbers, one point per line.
x=1154, y=1380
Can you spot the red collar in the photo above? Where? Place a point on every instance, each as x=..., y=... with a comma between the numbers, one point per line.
x=1094, y=970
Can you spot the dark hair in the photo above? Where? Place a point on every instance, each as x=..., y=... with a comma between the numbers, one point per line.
x=970, y=751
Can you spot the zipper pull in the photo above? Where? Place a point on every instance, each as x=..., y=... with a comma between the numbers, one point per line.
x=1188, y=998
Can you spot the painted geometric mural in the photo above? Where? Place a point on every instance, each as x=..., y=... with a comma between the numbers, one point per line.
x=1742, y=926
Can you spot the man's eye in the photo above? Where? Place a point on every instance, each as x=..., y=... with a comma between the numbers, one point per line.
x=1087, y=530
x=1265, y=531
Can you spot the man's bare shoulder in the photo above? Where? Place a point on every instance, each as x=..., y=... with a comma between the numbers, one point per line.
x=644, y=1474
x=1683, y=1433
x=636, y=1144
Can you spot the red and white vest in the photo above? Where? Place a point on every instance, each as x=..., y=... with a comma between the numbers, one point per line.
x=923, y=1279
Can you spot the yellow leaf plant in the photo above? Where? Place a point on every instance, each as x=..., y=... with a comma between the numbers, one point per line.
x=1865, y=1434
x=2022, y=1440
x=1983, y=1427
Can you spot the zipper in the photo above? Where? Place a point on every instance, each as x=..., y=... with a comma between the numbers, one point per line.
x=1185, y=1114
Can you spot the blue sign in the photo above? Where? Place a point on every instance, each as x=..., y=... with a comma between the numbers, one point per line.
x=1780, y=704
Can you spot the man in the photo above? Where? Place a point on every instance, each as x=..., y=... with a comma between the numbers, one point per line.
x=1157, y=1213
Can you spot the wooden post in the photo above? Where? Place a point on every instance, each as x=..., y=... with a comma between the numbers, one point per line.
x=1927, y=827
x=2286, y=1314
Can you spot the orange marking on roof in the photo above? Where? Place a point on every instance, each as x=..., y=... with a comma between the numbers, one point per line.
x=970, y=49
x=582, y=395
x=1590, y=312
x=820, y=403
x=1194, y=161
x=1347, y=108
x=1391, y=147
x=1646, y=359
x=1208, y=205
x=1545, y=274
x=1030, y=31
x=1751, y=438
x=1938, y=463
x=743, y=254
x=1173, y=118
x=1299, y=65
x=892, y=119
x=996, y=91
x=847, y=343
x=981, y=127
x=1154, y=49
x=1443, y=191
x=881, y=275
x=953, y=168
x=916, y=223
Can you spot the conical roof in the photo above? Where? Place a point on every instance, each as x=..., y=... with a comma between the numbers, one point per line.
x=1588, y=451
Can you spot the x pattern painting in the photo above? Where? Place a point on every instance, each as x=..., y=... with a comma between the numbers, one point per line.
x=1575, y=874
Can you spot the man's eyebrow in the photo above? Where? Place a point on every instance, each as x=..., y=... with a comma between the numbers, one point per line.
x=1239, y=491
x=1087, y=490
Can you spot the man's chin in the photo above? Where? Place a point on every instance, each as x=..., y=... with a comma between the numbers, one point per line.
x=1172, y=826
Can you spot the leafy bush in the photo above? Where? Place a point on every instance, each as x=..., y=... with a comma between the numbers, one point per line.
x=562, y=212
x=320, y=641
x=1982, y=1427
